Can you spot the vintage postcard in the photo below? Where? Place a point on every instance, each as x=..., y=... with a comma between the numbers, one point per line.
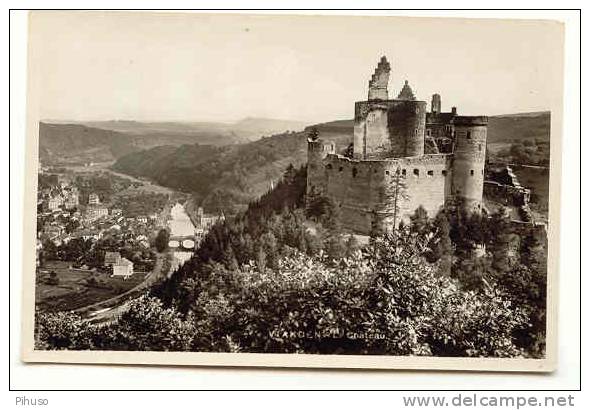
x=292, y=190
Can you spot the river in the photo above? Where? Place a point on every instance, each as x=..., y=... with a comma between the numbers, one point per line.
x=180, y=225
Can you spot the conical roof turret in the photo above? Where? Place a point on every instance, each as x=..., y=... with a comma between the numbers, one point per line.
x=406, y=93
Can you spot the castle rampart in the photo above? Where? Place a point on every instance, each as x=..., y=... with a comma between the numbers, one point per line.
x=390, y=176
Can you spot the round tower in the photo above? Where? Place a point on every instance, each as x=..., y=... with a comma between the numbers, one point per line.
x=469, y=160
x=317, y=150
x=407, y=125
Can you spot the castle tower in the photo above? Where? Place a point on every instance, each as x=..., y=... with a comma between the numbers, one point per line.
x=317, y=150
x=379, y=81
x=435, y=105
x=388, y=128
x=406, y=92
x=407, y=127
x=469, y=160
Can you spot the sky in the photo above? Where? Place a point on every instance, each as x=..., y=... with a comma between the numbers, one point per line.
x=195, y=67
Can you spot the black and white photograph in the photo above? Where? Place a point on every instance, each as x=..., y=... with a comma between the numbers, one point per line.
x=292, y=190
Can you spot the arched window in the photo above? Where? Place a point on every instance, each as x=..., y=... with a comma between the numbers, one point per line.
x=430, y=173
x=444, y=172
x=340, y=169
x=404, y=172
x=386, y=172
x=354, y=172
x=416, y=172
x=471, y=172
x=468, y=135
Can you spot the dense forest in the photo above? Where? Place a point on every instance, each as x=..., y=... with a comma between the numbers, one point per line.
x=283, y=277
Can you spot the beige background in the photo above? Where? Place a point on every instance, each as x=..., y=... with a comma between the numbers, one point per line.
x=42, y=90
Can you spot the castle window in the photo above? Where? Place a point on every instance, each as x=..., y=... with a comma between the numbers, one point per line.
x=329, y=166
x=386, y=172
x=354, y=172
x=416, y=131
x=471, y=172
x=416, y=172
x=479, y=147
x=404, y=172
x=468, y=135
x=428, y=133
x=430, y=173
x=340, y=169
x=444, y=172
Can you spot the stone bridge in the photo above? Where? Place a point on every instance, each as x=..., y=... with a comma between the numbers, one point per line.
x=186, y=242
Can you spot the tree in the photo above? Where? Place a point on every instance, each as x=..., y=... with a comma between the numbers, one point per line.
x=162, y=240
x=440, y=246
x=396, y=195
x=72, y=225
x=49, y=250
x=419, y=221
x=349, y=152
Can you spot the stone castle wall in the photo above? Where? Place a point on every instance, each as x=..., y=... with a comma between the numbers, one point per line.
x=365, y=190
x=506, y=194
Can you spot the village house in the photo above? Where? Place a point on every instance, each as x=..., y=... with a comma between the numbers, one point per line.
x=96, y=212
x=123, y=268
x=111, y=258
x=93, y=199
x=54, y=203
x=53, y=231
x=72, y=200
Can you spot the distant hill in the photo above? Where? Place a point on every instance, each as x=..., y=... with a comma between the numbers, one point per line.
x=506, y=128
x=230, y=175
x=241, y=131
x=79, y=143
x=98, y=141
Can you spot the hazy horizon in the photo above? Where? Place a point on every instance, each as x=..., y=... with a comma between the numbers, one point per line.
x=233, y=121
x=188, y=67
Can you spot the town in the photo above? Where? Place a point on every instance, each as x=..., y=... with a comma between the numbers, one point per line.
x=101, y=236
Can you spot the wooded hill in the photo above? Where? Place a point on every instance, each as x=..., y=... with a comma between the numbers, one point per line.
x=229, y=177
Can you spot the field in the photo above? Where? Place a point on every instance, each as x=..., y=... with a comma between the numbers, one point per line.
x=73, y=291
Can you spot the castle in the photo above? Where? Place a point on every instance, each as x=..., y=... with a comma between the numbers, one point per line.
x=403, y=157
